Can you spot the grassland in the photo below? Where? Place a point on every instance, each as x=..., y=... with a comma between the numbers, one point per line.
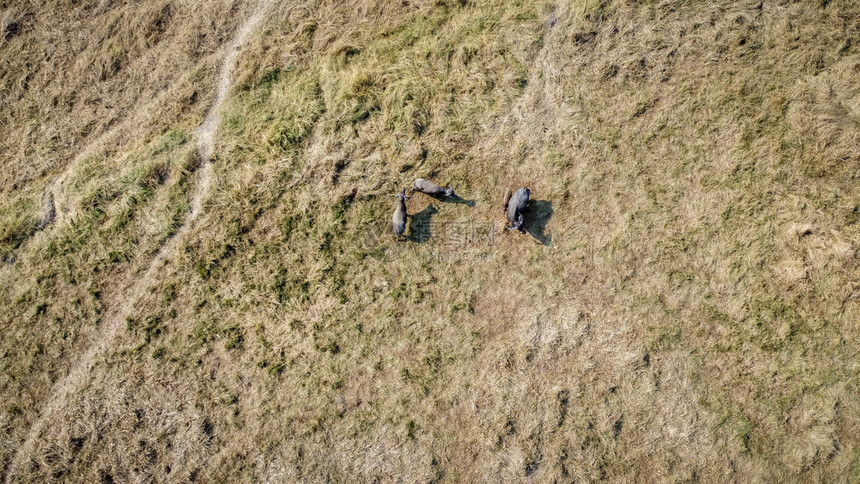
x=684, y=306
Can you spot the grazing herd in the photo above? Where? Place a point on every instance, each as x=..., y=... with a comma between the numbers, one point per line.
x=514, y=204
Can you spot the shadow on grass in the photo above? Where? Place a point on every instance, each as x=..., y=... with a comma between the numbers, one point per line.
x=537, y=216
x=419, y=225
x=457, y=199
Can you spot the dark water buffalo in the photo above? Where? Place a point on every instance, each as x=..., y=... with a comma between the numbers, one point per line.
x=399, y=218
x=516, y=206
x=432, y=189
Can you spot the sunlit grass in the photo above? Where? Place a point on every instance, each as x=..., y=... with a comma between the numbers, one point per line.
x=681, y=308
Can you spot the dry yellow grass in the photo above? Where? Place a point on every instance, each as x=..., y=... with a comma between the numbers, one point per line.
x=683, y=308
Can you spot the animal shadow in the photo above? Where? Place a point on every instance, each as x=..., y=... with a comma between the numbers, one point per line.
x=457, y=199
x=538, y=213
x=453, y=199
x=419, y=225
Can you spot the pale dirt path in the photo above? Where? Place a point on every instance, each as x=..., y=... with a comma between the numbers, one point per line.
x=57, y=189
x=136, y=286
x=206, y=131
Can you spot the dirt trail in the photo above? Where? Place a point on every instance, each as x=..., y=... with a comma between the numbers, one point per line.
x=136, y=287
x=57, y=188
x=206, y=131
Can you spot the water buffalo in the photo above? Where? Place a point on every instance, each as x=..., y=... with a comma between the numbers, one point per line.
x=516, y=206
x=399, y=218
x=432, y=189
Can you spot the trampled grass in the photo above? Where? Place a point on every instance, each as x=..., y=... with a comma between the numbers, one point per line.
x=683, y=306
